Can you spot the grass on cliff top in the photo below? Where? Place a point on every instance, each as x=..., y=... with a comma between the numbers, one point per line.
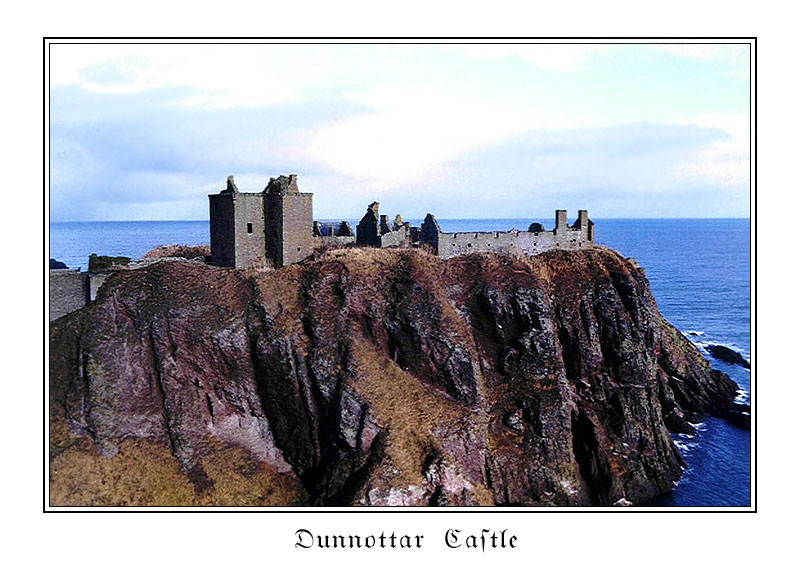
x=373, y=256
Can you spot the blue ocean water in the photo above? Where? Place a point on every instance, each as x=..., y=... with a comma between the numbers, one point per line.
x=699, y=270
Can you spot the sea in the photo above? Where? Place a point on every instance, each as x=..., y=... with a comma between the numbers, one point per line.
x=699, y=270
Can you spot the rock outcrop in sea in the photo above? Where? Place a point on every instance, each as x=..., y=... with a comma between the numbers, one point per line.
x=376, y=377
x=726, y=354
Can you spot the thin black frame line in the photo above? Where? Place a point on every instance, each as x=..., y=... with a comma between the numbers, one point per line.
x=410, y=43
x=753, y=273
x=446, y=39
x=46, y=181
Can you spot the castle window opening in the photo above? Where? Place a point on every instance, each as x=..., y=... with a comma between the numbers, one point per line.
x=249, y=228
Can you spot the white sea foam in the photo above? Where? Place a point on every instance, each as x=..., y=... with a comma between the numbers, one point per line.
x=684, y=446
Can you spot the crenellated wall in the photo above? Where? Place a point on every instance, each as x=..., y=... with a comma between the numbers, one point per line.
x=536, y=240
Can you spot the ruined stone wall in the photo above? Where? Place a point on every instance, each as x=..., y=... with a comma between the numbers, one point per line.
x=452, y=245
x=374, y=230
x=333, y=241
x=396, y=238
x=447, y=245
x=249, y=228
x=223, y=243
x=273, y=209
x=68, y=292
x=429, y=233
x=530, y=243
x=368, y=231
x=298, y=219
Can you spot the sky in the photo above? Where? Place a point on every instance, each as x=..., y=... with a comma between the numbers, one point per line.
x=145, y=132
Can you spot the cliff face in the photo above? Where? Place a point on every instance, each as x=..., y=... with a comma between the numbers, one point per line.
x=375, y=377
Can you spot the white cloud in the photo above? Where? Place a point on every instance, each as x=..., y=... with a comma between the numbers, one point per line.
x=413, y=128
x=398, y=122
x=395, y=144
x=724, y=163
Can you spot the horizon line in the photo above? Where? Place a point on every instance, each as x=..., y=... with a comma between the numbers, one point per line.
x=421, y=218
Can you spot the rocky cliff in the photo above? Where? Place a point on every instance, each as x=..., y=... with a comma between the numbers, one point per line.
x=375, y=377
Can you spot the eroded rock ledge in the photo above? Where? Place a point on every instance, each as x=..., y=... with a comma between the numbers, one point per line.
x=375, y=377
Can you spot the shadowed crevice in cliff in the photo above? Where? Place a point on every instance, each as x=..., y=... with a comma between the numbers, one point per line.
x=593, y=470
x=550, y=380
x=320, y=424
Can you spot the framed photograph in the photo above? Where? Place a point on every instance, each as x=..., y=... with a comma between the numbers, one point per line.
x=387, y=275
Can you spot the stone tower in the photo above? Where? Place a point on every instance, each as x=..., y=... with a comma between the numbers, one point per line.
x=250, y=227
x=289, y=221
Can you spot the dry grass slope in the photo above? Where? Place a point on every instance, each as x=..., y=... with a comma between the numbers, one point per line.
x=145, y=473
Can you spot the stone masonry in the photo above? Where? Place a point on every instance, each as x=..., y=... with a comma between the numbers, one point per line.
x=68, y=291
x=250, y=227
x=289, y=222
x=276, y=226
x=374, y=230
x=333, y=234
x=536, y=240
x=71, y=289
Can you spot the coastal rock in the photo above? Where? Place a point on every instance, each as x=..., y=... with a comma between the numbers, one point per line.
x=726, y=354
x=55, y=264
x=376, y=377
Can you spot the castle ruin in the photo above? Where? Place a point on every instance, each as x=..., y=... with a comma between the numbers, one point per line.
x=336, y=234
x=579, y=235
x=276, y=225
x=374, y=230
x=250, y=227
